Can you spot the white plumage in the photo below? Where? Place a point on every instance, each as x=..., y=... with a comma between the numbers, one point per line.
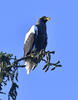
x=29, y=65
x=32, y=30
x=29, y=38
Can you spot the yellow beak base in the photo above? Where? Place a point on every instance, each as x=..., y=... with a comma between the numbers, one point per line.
x=47, y=18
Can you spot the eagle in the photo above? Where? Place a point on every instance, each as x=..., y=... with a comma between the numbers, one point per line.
x=36, y=38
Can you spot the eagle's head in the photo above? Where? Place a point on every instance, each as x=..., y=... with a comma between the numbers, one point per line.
x=43, y=19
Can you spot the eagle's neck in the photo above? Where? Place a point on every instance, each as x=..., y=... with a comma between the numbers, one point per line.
x=41, y=27
x=41, y=41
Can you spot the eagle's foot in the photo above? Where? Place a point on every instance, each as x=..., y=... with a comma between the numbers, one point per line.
x=32, y=55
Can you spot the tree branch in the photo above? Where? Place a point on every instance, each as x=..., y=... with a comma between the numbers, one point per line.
x=9, y=68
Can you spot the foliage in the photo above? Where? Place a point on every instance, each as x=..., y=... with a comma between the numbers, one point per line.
x=9, y=68
x=8, y=73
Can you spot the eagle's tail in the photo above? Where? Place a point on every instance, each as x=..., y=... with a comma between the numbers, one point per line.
x=29, y=65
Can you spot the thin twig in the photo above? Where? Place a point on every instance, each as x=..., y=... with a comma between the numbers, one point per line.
x=2, y=93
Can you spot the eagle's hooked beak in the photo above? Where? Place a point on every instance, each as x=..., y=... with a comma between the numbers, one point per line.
x=47, y=18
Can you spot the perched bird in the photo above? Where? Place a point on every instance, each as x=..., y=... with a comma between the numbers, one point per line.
x=36, y=38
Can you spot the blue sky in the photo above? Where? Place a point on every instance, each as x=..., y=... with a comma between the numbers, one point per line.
x=16, y=17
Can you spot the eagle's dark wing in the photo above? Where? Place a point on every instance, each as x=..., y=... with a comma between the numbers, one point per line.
x=29, y=42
